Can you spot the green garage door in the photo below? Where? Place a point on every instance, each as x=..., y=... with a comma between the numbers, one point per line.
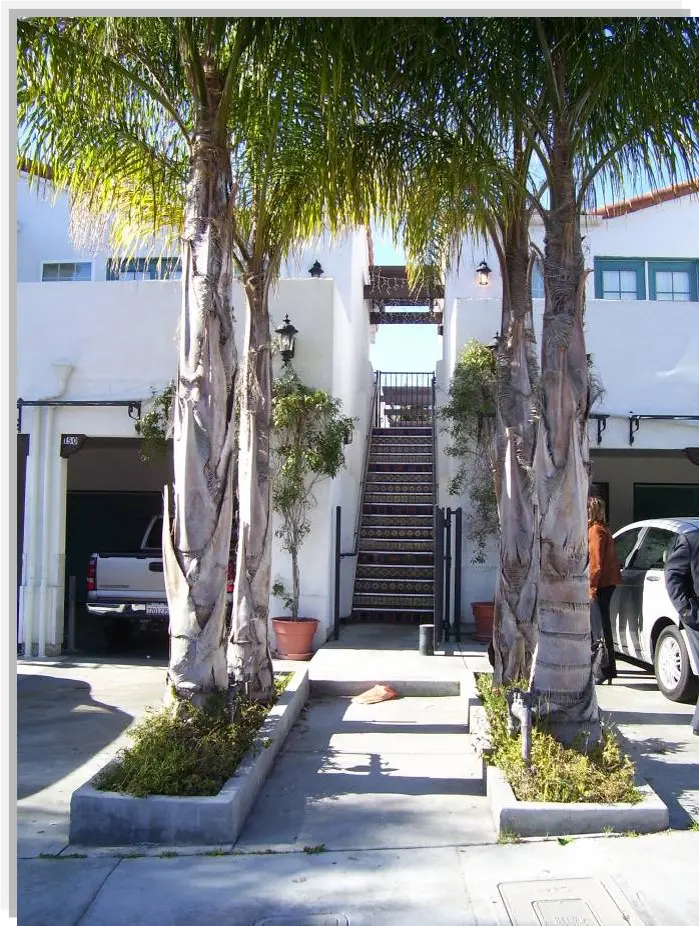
x=104, y=522
x=665, y=501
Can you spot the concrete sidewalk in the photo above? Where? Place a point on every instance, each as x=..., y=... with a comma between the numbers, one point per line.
x=371, y=815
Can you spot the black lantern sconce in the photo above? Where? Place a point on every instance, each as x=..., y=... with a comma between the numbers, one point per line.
x=316, y=271
x=287, y=339
x=483, y=271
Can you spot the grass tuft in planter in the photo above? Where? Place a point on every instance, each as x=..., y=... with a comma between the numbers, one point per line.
x=190, y=752
x=603, y=774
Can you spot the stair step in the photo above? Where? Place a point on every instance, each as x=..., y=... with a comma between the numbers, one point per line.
x=393, y=616
x=391, y=535
x=376, y=571
x=396, y=560
x=376, y=544
x=384, y=482
x=400, y=468
x=397, y=521
x=386, y=508
x=394, y=586
x=403, y=431
x=401, y=456
x=397, y=498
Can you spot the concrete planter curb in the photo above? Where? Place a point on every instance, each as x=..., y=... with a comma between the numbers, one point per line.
x=102, y=818
x=544, y=818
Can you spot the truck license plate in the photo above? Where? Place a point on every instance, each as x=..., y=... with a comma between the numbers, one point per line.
x=156, y=610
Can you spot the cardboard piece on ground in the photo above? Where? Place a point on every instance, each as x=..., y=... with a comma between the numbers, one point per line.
x=375, y=695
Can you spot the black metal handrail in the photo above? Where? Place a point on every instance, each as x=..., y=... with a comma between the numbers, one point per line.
x=406, y=399
x=365, y=467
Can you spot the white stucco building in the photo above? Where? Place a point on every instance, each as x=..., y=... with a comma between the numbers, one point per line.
x=642, y=330
x=86, y=334
x=89, y=331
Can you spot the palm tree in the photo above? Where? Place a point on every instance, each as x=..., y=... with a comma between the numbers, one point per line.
x=567, y=102
x=209, y=128
x=611, y=102
x=464, y=172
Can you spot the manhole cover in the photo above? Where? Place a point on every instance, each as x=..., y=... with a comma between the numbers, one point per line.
x=564, y=902
x=316, y=919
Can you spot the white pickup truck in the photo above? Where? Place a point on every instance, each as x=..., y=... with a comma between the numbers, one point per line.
x=127, y=590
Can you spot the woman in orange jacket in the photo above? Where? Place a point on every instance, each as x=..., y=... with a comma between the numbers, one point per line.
x=604, y=575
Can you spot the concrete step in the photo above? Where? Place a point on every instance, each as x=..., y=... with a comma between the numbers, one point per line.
x=396, y=774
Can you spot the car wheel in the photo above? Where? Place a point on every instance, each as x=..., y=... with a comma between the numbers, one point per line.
x=672, y=669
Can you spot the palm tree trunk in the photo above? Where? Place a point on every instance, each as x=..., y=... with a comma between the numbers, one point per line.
x=514, y=627
x=249, y=659
x=196, y=542
x=562, y=678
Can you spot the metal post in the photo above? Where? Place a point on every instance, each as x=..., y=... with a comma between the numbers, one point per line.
x=447, y=576
x=457, y=574
x=338, y=539
x=71, y=613
x=426, y=644
x=438, y=573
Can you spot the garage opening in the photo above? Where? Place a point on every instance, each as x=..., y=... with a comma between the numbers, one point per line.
x=112, y=496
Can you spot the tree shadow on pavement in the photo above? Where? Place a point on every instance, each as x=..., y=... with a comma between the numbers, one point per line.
x=59, y=728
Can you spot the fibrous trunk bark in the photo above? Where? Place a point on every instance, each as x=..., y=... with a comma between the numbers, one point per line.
x=249, y=658
x=562, y=681
x=515, y=623
x=196, y=542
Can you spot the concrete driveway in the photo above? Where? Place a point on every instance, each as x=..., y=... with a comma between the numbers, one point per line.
x=72, y=714
x=659, y=738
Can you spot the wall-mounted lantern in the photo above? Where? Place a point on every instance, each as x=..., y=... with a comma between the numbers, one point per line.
x=316, y=271
x=483, y=271
x=287, y=339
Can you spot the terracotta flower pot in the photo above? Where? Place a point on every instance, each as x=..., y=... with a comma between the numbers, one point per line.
x=484, y=611
x=294, y=638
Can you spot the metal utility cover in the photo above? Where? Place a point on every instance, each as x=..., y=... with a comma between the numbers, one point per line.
x=565, y=902
x=315, y=919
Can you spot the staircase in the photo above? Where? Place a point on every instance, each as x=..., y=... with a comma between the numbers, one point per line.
x=395, y=566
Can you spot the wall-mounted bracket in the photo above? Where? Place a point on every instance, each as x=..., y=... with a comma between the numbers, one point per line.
x=601, y=426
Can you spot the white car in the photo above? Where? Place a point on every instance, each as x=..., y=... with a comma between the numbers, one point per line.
x=645, y=624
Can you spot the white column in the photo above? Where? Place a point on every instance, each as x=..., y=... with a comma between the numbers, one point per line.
x=49, y=611
x=31, y=564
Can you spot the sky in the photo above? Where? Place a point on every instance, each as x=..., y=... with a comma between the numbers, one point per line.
x=401, y=348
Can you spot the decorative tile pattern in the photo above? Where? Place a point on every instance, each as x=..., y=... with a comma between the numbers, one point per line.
x=395, y=569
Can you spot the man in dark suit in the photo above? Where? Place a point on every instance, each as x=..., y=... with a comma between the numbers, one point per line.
x=682, y=581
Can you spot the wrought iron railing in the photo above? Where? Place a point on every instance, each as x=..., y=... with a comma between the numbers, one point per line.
x=404, y=400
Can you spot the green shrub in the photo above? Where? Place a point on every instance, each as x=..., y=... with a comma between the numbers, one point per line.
x=603, y=774
x=189, y=751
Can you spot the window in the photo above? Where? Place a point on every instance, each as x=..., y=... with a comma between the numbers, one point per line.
x=537, y=281
x=620, y=278
x=66, y=271
x=673, y=280
x=625, y=544
x=144, y=268
x=652, y=552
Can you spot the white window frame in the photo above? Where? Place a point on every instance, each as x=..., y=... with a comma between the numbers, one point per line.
x=45, y=263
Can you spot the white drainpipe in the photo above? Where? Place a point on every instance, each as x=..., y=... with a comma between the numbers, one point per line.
x=44, y=591
x=30, y=570
x=47, y=588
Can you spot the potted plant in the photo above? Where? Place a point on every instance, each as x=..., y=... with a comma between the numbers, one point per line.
x=470, y=420
x=309, y=436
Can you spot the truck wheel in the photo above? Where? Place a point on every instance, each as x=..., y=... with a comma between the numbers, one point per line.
x=118, y=633
x=672, y=669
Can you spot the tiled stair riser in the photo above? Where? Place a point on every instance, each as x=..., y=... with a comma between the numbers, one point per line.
x=395, y=568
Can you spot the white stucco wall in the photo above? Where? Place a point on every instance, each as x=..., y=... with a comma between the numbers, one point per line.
x=645, y=352
x=119, y=340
